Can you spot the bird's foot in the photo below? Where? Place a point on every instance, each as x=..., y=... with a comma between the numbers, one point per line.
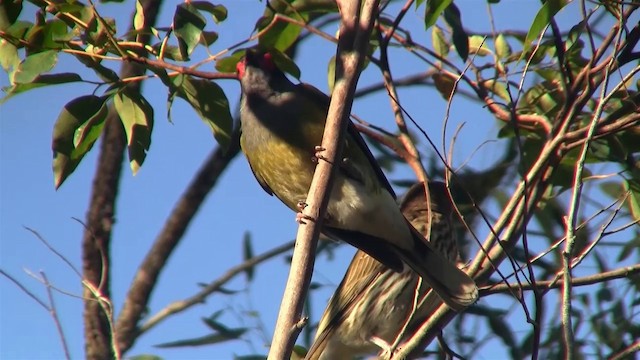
x=317, y=156
x=300, y=217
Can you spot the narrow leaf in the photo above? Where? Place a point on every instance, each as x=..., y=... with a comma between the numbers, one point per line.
x=34, y=65
x=40, y=81
x=439, y=42
x=548, y=10
x=433, y=10
x=247, y=253
x=188, y=25
x=210, y=103
x=137, y=118
x=503, y=50
x=633, y=186
x=9, y=59
x=138, y=18
x=85, y=111
x=219, y=12
x=232, y=334
x=460, y=37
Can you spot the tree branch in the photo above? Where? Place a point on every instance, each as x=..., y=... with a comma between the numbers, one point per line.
x=147, y=275
x=200, y=297
x=355, y=28
x=624, y=272
x=100, y=216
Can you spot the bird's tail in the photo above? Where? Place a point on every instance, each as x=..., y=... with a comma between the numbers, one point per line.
x=453, y=285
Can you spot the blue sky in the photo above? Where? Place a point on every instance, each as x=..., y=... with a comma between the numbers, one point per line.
x=213, y=242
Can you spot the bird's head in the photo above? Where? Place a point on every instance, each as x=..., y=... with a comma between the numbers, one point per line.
x=259, y=74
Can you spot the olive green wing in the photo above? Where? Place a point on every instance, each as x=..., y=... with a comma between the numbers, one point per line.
x=352, y=133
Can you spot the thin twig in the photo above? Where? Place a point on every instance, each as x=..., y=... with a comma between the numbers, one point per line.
x=624, y=272
x=571, y=222
x=54, y=315
x=25, y=290
x=199, y=298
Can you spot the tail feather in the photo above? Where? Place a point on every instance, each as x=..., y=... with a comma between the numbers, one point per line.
x=453, y=285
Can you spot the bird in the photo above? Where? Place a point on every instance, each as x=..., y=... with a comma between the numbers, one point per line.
x=281, y=126
x=373, y=303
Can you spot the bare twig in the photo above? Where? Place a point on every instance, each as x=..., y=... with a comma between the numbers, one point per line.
x=167, y=240
x=629, y=350
x=99, y=330
x=571, y=222
x=51, y=308
x=624, y=272
x=54, y=315
x=25, y=290
x=199, y=298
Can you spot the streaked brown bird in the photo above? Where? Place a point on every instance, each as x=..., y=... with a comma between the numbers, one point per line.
x=372, y=303
x=281, y=125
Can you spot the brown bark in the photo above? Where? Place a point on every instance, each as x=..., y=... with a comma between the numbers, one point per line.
x=100, y=218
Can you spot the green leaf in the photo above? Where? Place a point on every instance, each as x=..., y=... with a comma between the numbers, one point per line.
x=222, y=333
x=170, y=52
x=188, y=25
x=40, y=81
x=285, y=63
x=33, y=66
x=99, y=30
x=460, y=37
x=444, y=84
x=137, y=118
x=13, y=10
x=209, y=37
x=144, y=357
x=439, y=42
x=228, y=64
x=498, y=88
x=203, y=340
x=280, y=35
x=210, y=103
x=247, y=254
x=218, y=12
x=299, y=352
x=548, y=10
x=138, y=18
x=9, y=59
x=633, y=186
x=85, y=114
x=331, y=73
x=478, y=45
x=503, y=50
x=501, y=329
x=19, y=29
x=629, y=248
x=56, y=33
x=433, y=10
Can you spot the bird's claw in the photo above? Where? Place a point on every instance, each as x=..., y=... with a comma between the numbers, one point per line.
x=300, y=218
x=318, y=156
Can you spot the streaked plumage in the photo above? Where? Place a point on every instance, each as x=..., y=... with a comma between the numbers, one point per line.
x=373, y=301
x=281, y=124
